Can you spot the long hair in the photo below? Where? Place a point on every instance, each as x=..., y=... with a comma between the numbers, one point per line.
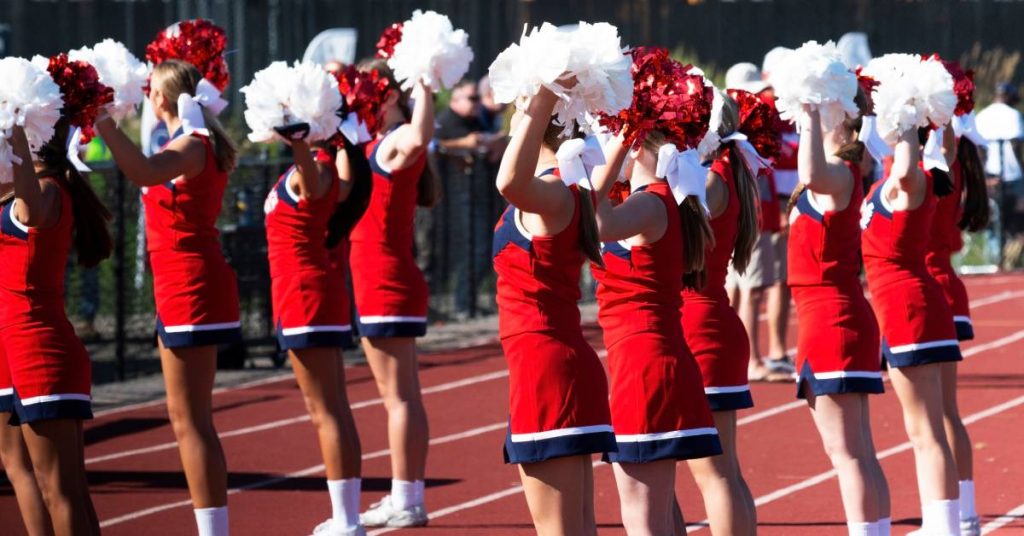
x=428, y=188
x=590, y=239
x=93, y=242
x=698, y=237
x=851, y=152
x=348, y=212
x=176, y=77
x=746, y=189
x=976, y=210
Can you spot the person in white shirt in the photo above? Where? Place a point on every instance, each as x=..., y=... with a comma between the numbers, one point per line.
x=1002, y=124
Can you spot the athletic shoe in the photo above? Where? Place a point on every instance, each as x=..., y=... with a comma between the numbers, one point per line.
x=384, y=514
x=970, y=527
x=782, y=364
x=330, y=528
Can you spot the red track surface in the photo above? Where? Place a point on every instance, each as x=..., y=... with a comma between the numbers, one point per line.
x=278, y=486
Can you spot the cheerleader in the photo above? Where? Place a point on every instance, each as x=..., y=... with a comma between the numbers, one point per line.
x=312, y=322
x=391, y=293
x=918, y=335
x=195, y=289
x=716, y=335
x=837, y=350
x=14, y=454
x=51, y=209
x=964, y=208
x=558, y=393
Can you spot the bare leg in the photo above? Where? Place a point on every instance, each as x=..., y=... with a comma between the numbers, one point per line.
x=841, y=420
x=956, y=432
x=727, y=498
x=188, y=378
x=320, y=373
x=556, y=494
x=57, y=452
x=880, y=484
x=920, y=393
x=394, y=366
x=647, y=496
x=18, y=465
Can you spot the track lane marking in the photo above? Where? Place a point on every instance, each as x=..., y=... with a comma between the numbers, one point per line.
x=1009, y=517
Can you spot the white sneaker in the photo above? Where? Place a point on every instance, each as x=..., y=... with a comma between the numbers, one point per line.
x=330, y=528
x=970, y=527
x=384, y=514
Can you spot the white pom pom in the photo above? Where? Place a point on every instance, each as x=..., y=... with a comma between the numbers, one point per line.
x=281, y=95
x=910, y=94
x=30, y=98
x=602, y=71
x=118, y=70
x=431, y=51
x=540, y=57
x=815, y=74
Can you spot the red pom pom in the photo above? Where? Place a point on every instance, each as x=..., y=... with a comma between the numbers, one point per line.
x=759, y=122
x=199, y=42
x=867, y=86
x=666, y=99
x=619, y=192
x=363, y=92
x=82, y=91
x=388, y=39
x=963, y=84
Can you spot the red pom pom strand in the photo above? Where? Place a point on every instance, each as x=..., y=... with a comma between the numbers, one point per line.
x=388, y=39
x=759, y=122
x=364, y=93
x=82, y=91
x=963, y=84
x=199, y=42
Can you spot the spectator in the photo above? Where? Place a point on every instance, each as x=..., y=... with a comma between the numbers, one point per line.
x=1001, y=123
x=492, y=114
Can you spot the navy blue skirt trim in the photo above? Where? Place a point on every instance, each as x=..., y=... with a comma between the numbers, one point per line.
x=393, y=329
x=538, y=450
x=315, y=339
x=7, y=403
x=674, y=448
x=836, y=383
x=730, y=401
x=964, y=330
x=50, y=410
x=913, y=355
x=198, y=337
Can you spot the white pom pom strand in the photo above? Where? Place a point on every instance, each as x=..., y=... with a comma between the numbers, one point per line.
x=910, y=94
x=540, y=57
x=602, y=71
x=814, y=74
x=30, y=98
x=119, y=70
x=431, y=51
x=280, y=95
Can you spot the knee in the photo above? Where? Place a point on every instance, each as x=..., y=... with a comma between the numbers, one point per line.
x=187, y=423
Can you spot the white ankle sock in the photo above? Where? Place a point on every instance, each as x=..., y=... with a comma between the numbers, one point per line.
x=862, y=528
x=345, y=500
x=941, y=518
x=403, y=494
x=967, y=507
x=417, y=492
x=885, y=526
x=212, y=521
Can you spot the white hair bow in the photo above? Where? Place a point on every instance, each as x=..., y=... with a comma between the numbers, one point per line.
x=964, y=125
x=712, y=140
x=754, y=161
x=354, y=129
x=74, y=145
x=932, y=155
x=577, y=159
x=683, y=172
x=190, y=107
x=871, y=139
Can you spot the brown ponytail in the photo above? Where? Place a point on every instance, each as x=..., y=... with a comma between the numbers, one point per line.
x=93, y=242
x=590, y=239
x=348, y=212
x=746, y=189
x=976, y=209
x=428, y=188
x=176, y=77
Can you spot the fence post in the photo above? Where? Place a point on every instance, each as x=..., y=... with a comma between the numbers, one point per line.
x=119, y=278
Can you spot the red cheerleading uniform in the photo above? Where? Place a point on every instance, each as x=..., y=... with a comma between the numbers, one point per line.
x=713, y=330
x=305, y=286
x=917, y=323
x=558, y=392
x=338, y=259
x=944, y=241
x=391, y=293
x=658, y=407
x=838, y=345
x=195, y=289
x=45, y=371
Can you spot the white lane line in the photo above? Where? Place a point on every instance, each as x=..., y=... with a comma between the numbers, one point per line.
x=316, y=469
x=163, y=399
x=1000, y=297
x=1009, y=517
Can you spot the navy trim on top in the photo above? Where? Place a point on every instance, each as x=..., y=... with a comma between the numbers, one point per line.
x=507, y=233
x=878, y=205
x=374, y=165
x=804, y=205
x=7, y=226
x=617, y=249
x=282, y=190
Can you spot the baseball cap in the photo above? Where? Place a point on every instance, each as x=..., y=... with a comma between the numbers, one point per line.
x=745, y=76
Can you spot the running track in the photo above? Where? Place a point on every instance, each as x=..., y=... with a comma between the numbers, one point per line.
x=278, y=488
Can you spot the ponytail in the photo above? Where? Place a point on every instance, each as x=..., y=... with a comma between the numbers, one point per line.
x=348, y=212
x=698, y=238
x=93, y=242
x=590, y=239
x=428, y=188
x=746, y=190
x=976, y=209
x=224, y=150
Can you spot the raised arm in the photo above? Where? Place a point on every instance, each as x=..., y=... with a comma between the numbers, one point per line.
x=905, y=159
x=37, y=205
x=813, y=167
x=310, y=179
x=341, y=164
x=604, y=177
x=183, y=157
x=517, y=179
x=408, y=142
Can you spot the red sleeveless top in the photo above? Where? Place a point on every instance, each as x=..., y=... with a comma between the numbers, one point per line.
x=725, y=227
x=296, y=227
x=824, y=247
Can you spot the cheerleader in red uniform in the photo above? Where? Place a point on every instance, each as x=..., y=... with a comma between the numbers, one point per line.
x=918, y=334
x=390, y=291
x=651, y=240
x=195, y=289
x=837, y=351
x=558, y=393
x=52, y=208
x=310, y=309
